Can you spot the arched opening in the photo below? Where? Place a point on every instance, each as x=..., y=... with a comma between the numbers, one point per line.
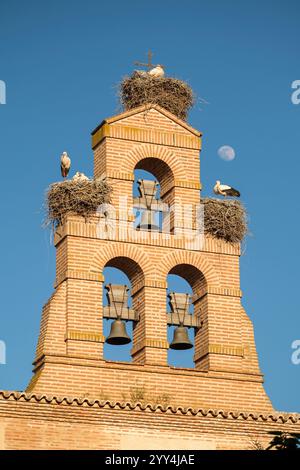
x=153, y=193
x=192, y=275
x=186, y=279
x=159, y=169
x=154, y=222
x=121, y=275
x=179, y=358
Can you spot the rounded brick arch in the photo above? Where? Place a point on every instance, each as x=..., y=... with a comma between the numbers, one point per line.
x=146, y=151
x=123, y=251
x=195, y=260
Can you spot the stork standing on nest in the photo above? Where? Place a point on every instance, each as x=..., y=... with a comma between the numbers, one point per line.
x=65, y=164
x=224, y=190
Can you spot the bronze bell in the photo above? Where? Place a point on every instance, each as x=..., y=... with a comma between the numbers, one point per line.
x=181, y=339
x=118, y=334
x=148, y=191
x=148, y=221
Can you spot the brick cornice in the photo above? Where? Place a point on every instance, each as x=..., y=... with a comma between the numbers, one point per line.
x=21, y=397
x=120, y=175
x=151, y=343
x=90, y=336
x=78, y=361
x=188, y=184
x=81, y=275
x=217, y=291
x=146, y=135
x=78, y=227
x=223, y=349
x=181, y=183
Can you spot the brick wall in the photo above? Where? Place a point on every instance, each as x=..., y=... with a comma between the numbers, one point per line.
x=29, y=422
x=69, y=356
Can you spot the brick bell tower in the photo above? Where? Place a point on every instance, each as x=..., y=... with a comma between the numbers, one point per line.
x=69, y=357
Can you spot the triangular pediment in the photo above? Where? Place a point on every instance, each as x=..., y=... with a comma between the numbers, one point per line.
x=147, y=115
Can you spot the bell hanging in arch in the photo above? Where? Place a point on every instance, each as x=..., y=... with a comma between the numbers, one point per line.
x=181, y=340
x=148, y=197
x=148, y=221
x=118, y=334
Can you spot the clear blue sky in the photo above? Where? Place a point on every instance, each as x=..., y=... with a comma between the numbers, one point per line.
x=61, y=61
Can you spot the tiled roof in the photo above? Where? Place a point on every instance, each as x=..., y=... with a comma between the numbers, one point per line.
x=54, y=399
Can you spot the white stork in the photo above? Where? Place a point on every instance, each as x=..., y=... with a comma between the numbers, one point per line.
x=157, y=71
x=225, y=190
x=80, y=177
x=65, y=164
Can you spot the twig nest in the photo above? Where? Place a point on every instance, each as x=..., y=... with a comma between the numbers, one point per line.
x=225, y=219
x=172, y=94
x=76, y=197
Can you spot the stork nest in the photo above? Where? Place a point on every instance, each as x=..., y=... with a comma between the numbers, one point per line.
x=225, y=219
x=172, y=94
x=75, y=198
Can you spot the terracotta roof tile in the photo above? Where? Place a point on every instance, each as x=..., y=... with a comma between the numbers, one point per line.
x=54, y=399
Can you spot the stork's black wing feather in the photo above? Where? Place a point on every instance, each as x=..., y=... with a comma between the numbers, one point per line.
x=232, y=192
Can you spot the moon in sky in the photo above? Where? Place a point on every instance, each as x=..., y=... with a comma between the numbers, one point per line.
x=227, y=153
